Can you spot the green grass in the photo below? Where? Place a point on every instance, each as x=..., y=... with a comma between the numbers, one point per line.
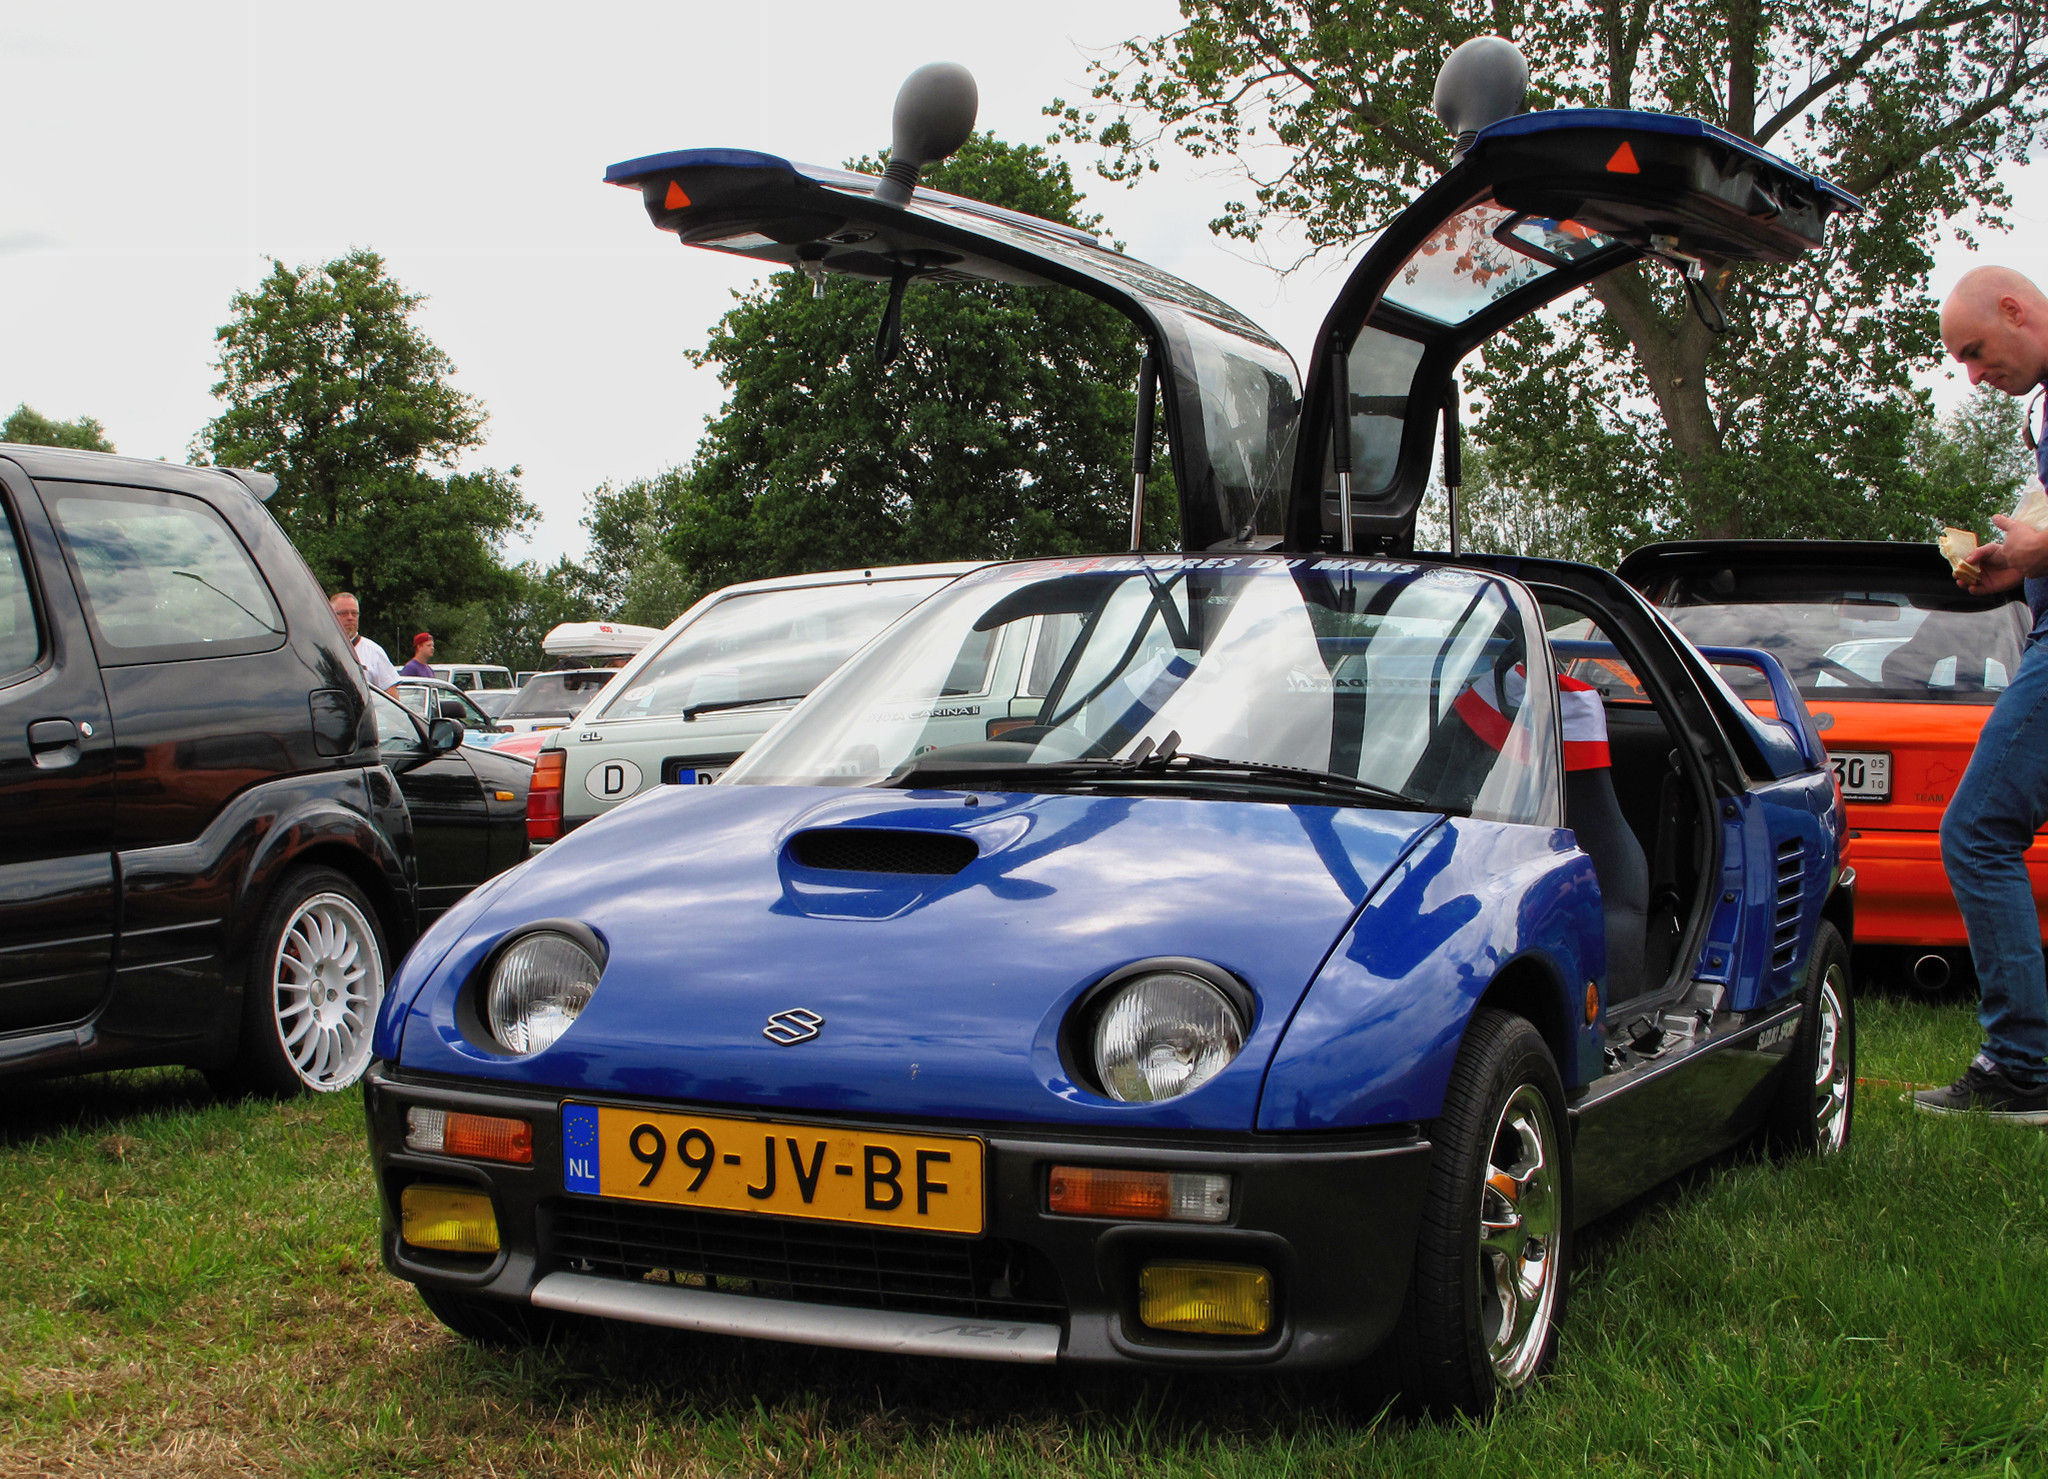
x=190, y=1288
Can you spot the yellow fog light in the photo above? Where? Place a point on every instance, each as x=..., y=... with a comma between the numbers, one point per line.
x=1206, y=1298
x=448, y=1219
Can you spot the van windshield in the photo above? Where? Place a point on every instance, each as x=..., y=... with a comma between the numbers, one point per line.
x=764, y=646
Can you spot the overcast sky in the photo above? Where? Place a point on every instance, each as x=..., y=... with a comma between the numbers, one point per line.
x=157, y=154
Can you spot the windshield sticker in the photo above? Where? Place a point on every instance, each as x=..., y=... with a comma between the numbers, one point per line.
x=908, y=715
x=1179, y=564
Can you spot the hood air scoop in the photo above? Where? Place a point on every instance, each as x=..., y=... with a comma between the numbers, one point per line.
x=882, y=850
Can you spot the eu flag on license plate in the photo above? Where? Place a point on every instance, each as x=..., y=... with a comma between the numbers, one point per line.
x=579, y=1148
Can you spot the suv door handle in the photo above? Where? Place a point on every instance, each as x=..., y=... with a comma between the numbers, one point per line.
x=53, y=743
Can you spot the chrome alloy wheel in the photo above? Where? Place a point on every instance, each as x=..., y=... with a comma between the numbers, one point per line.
x=1520, y=1235
x=1830, y=1065
x=327, y=983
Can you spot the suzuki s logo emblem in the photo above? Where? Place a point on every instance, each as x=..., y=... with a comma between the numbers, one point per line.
x=793, y=1026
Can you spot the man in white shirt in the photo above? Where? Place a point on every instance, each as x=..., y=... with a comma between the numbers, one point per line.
x=376, y=664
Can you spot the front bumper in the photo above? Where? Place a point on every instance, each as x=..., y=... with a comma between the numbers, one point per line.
x=1331, y=1217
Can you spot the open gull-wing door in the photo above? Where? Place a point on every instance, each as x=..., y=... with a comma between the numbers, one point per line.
x=1230, y=392
x=1537, y=205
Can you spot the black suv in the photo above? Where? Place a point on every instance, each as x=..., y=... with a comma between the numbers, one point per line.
x=214, y=839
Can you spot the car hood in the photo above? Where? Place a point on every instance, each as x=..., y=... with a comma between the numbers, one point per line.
x=942, y=994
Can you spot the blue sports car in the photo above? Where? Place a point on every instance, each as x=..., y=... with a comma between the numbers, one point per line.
x=1342, y=927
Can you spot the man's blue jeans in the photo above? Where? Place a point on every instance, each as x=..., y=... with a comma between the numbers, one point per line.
x=1999, y=804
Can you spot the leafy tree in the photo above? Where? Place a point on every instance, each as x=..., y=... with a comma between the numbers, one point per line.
x=1002, y=429
x=1498, y=514
x=513, y=629
x=331, y=387
x=1972, y=461
x=28, y=427
x=1959, y=469
x=1801, y=418
x=656, y=590
x=628, y=561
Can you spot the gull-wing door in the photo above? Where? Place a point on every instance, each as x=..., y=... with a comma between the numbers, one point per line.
x=1229, y=392
x=1536, y=206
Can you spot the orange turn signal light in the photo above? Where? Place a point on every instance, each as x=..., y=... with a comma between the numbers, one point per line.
x=483, y=1137
x=1138, y=1196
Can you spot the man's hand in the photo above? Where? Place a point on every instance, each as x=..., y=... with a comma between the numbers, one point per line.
x=1990, y=568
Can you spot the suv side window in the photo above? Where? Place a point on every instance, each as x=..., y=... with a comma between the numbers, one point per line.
x=21, y=637
x=163, y=576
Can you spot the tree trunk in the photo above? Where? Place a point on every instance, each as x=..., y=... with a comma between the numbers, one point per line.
x=1674, y=359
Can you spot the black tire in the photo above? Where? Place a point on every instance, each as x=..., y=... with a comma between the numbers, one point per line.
x=1474, y=1331
x=311, y=987
x=491, y=1321
x=1816, y=1103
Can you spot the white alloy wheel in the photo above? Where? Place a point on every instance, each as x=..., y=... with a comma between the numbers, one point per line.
x=1830, y=1063
x=1520, y=1219
x=327, y=982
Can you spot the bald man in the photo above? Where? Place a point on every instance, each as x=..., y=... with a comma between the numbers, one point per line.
x=1995, y=324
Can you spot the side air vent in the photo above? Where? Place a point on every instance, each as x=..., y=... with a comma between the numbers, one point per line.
x=1791, y=884
x=879, y=850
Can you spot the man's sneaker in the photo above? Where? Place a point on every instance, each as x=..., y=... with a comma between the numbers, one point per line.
x=1987, y=1091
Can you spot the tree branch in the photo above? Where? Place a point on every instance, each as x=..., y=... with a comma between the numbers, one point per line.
x=1846, y=71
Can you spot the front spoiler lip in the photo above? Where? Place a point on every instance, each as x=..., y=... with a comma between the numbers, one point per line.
x=810, y=1324
x=1333, y=1216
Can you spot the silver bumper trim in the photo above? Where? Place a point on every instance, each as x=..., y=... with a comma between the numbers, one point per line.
x=806, y=1324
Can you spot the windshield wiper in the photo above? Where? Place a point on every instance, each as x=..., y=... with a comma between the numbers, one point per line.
x=1147, y=764
x=741, y=703
x=195, y=575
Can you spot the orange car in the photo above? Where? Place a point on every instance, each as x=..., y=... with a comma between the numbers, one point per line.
x=1899, y=668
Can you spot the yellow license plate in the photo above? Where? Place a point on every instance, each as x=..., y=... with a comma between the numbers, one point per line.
x=928, y=1182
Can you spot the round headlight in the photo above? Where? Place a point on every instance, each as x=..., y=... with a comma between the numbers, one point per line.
x=1162, y=1035
x=539, y=986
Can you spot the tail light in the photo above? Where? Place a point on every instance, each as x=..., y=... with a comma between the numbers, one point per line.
x=544, y=797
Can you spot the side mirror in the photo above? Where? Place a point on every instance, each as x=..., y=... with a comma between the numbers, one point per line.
x=451, y=708
x=443, y=736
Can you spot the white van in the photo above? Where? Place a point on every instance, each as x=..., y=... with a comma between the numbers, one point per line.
x=722, y=675
x=472, y=677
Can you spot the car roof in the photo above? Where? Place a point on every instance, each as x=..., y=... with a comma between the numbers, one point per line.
x=73, y=465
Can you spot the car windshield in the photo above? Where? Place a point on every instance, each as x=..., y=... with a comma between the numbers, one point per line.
x=558, y=693
x=1848, y=633
x=763, y=646
x=1268, y=677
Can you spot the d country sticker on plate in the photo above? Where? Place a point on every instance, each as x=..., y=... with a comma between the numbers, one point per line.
x=932, y=1183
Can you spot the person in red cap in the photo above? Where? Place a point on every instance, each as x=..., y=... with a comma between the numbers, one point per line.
x=422, y=649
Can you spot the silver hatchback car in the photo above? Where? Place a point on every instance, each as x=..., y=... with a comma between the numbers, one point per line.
x=723, y=674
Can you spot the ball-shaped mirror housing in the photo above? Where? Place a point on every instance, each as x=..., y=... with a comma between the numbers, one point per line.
x=1482, y=82
x=934, y=115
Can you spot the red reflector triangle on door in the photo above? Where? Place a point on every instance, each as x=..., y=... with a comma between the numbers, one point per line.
x=677, y=200
x=1623, y=162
